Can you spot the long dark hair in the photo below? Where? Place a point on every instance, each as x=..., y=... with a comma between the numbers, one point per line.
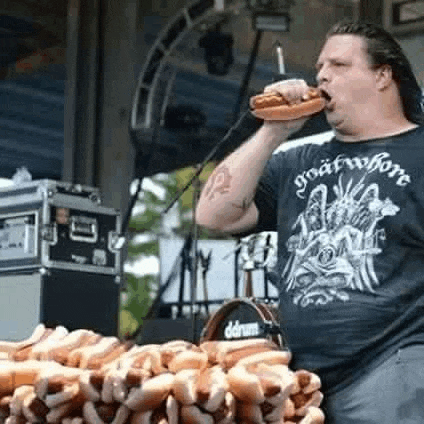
x=383, y=49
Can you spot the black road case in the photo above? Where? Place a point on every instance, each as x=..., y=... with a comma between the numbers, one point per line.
x=59, y=263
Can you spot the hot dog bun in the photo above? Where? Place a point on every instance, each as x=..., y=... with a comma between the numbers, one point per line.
x=188, y=360
x=245, y=386
x=273, y=106
x=151, y=393
x=185, y=386
x=314, y=415
x=191, y=414
x=11, y=347
x=211, y=388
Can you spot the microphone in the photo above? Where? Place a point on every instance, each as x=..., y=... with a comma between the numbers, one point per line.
x=280, y=59
x=281, y=74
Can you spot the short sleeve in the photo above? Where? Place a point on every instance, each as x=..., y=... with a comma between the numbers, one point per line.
x=266, y=198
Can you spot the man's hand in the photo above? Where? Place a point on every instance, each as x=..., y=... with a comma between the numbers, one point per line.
x=294, y=91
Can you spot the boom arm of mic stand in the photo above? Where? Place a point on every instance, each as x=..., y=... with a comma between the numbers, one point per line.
x=200, y=168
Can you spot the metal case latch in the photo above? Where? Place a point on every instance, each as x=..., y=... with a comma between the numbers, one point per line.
x=83, y=228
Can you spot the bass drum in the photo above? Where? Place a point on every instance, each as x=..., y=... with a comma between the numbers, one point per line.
x=246, y=318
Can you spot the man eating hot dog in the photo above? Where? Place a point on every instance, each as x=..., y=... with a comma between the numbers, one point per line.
x=350, y=220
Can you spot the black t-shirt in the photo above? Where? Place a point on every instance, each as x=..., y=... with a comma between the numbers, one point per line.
x=350, y=223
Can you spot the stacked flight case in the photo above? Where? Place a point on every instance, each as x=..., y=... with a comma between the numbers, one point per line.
x=59, y=259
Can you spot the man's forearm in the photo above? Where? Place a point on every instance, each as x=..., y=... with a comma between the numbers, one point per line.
x=226, y=199
x=226, y=202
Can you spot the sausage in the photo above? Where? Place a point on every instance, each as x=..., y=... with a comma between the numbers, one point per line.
x=228, y=353
x=98, y=362
x=273, y=107
x=303, y=401
x=271, y=358
x=62, y=349
x=40, y=350
x=211, y=388
x=6, y=378
x=98, y=351
x=188, y=360
x=149, y=360
x=74, y=357
x=245, y=386
x=185, y=386
x=15, y=374
x=277, y=381
x=170, y=349
x=308, y=381
x=151, y=393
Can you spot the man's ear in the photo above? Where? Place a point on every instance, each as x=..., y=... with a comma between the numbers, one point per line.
x=384, y=77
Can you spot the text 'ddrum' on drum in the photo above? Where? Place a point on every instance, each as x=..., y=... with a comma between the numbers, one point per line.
x=247, y=318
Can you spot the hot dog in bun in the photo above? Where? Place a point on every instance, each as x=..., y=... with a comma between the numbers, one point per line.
x=272, y=106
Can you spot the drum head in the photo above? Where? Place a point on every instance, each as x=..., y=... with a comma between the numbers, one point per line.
x=241, y=319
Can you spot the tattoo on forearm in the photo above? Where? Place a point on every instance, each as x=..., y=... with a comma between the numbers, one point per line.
x=245, y=204
x=219, y=182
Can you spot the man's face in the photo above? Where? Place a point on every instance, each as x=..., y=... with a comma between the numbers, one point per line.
x=344, y=73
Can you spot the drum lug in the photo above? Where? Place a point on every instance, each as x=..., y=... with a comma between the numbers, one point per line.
x=270, y=328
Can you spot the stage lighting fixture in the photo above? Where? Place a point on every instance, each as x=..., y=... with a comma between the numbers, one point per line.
x=270, y=15
x=184, y=117
x=218, y=52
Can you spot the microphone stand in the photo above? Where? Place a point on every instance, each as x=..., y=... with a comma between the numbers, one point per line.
x=194, y=262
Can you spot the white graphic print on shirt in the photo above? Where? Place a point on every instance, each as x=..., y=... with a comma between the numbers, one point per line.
x=334, y=242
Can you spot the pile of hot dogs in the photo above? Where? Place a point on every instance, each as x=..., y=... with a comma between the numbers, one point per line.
x=77, y=377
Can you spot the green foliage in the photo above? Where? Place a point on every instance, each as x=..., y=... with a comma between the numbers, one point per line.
x=140, y=291
x=137, y=301
x=147, y=222
x=127, y=322
x=150, y=248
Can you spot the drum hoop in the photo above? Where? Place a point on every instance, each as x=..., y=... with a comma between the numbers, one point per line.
x=262, y=309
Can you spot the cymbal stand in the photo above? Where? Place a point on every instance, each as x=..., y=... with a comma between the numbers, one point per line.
x=249, y=265
x=194, y=258
x=266, y=254
x=205, y=262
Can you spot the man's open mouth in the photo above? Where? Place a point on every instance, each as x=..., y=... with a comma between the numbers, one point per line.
x=326, y=96
x=329, y=104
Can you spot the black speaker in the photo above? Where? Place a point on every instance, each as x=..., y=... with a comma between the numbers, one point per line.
x=55, y=297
